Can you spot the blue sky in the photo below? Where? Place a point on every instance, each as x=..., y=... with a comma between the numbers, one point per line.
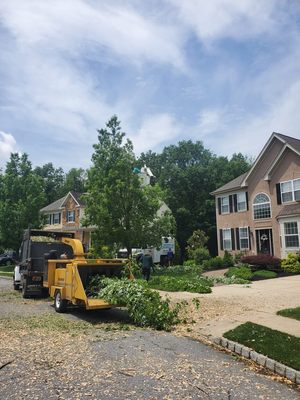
x=226, y=72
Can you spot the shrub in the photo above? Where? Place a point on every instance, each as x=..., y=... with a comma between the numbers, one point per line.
x=181, y=284
x=229, y=280
x=145, y=306
x=242, y=272
x=228, y=260
x=213, y=263
x=263, y=273
x=262, y=260
x=291, y=263
x=201, y=254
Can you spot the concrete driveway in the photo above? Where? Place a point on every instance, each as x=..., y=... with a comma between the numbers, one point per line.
x=229, y=306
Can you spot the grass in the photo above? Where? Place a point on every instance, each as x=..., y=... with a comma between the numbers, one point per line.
x=274, y=344
x=290, y=313
x=7, y=270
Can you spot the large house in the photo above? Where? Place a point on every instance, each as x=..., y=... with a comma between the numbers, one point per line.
x=65, y=215
x=259, y=211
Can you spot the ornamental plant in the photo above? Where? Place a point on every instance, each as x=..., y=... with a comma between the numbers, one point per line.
x=291, y=263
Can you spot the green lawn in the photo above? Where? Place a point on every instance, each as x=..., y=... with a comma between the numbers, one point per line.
x=274, y=344
x=7, y=270
x=290, y=313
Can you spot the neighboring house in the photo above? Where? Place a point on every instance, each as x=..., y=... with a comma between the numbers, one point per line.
x=259, y=211
x=66, y=214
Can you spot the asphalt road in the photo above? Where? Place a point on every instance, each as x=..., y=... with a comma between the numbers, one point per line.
x=136, y=364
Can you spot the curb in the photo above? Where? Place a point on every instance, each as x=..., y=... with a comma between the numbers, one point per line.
x=274, y=366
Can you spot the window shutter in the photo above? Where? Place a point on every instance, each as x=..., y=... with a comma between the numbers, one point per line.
x=230, y=204
x=232, y=239
x=247, y=201
x=221, y=240
x=237, y=235
x=59, y=218
x=278, y=192
x=235, y=208
x=249, y=237
x=219, y=205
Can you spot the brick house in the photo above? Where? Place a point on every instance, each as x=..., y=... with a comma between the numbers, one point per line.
x=65, y=214
x=259, y=211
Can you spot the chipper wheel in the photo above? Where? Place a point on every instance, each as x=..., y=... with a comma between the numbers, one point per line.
x=60, y=304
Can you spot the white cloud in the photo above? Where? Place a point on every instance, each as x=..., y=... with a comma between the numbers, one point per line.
x=8, y=145
x=218, y=19
x=156, y=130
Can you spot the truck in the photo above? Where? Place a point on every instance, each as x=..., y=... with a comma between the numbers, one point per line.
x=54, y=264
x=159, y=255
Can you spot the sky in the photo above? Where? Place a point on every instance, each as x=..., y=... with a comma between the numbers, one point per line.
x=226, y=72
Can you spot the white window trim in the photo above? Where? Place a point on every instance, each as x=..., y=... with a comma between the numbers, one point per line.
x=237, y=203
x=253, y=204
x=244, y=248
x=291, y=234
x=53, y=218
x=293, y=191
x=223, y=237
x=74, y=216
x=226, y=212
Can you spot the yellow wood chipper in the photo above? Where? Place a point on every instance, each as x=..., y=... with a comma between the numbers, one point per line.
x=63, y=270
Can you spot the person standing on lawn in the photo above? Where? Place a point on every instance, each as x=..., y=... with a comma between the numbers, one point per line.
x=147, y=264
x=170, y=256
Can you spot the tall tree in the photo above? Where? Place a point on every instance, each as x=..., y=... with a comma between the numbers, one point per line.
x=124, y=212
x=75, y=179
x=189, y=172
x=53, y=179
x=21, y=197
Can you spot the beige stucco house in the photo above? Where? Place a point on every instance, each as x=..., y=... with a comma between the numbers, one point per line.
x=66, y=214
x=259, y=211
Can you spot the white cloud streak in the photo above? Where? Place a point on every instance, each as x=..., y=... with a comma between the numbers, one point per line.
x=8, y=145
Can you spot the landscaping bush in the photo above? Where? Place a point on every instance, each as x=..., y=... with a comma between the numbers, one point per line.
x=242, y=272
x=233, y=280
x=201, y=254
x=291, y=263
x=265, y=261
x=228, y=260
x=266, y=274
x=213, y=263
x=181, y=284
x=145, y=306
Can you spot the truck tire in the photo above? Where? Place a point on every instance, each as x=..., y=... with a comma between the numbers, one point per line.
x=60, y=304
x=25, y=294
x=16, y=286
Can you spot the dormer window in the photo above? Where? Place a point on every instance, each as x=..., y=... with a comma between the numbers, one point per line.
x=71, y=216
x=261, y=206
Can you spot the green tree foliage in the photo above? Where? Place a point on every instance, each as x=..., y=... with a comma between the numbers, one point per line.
x=189, y=173
x=124, y=212
x=53, y=179
x=75, y=179
x=21, y=197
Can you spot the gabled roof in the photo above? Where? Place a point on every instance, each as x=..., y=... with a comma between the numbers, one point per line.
x=241, y=181
x=58, y=204
x=55, y=206
x=287, y=141
x=232, y=185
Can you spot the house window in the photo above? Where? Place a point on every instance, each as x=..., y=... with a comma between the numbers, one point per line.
x=71, y=216
x=225, y=205
x=241, y=201
x=261, y=207
x=56, y=218
x=290, y=190
x=227, y=245
x=291, y=234
x=244, y=238
x=48, y=219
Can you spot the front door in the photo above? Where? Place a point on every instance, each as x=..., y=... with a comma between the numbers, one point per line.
x=264, y=241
